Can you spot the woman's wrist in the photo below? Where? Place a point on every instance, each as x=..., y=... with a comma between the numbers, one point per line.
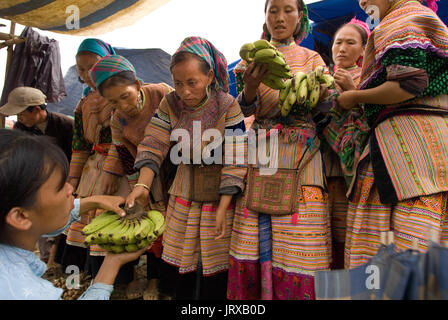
x=108, y=271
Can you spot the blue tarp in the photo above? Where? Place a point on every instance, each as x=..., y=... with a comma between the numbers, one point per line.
x=327, y=16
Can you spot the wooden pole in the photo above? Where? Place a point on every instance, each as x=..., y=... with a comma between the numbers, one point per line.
x=8, y=64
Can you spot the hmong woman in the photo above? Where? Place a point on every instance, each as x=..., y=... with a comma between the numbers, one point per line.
x=91, y=141
x=135, y=104
x=200, y=210
x=397, y=164
x=349, y=42
x=275, y=256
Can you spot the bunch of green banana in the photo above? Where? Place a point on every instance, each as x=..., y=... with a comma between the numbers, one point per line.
x=261, y=51
x=303, y=90
x=135, y=231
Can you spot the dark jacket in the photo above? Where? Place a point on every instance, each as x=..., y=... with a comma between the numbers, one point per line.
x=59, y=126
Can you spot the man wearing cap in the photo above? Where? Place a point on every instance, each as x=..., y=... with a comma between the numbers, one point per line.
x=29, y=105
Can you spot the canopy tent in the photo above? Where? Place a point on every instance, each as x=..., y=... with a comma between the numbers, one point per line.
x=95, y=16
x=327, y=16
x=151, y=65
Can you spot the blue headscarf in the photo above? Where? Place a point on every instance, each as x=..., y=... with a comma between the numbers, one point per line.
x=98, y=47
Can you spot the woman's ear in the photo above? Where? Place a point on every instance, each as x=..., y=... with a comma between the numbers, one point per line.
x=18, y=219
x=211, y=77
x=138, y=84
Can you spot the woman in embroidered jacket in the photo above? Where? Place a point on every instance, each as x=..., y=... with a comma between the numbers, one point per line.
x=91, y=141
x=135, y=104
x=197, y=232
x=275, y=256
x=396, y=157
x=349, y=42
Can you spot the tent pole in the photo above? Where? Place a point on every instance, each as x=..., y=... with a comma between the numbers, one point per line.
x=8, y=64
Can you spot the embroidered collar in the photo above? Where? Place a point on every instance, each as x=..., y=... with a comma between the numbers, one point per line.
x=288, y=42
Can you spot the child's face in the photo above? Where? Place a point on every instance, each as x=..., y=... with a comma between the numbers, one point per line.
x=190, y=82
x=53, y=205
x=85, y=62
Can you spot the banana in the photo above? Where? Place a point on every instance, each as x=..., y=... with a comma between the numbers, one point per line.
x=291, y=97
x=265, y=55
x=126, y=237
x=146, y=227
x=276, y=62
x=102, y=238
x=298, y=77
x=286, y=108
x=158, y=219
x=314, y=96
x=246, y=52
x=117, y=248
x=284, y=92
x=116, y=233
x=274, y=83
x=328, y=80
x=131, y=247
x=311, y=78
x=143, y=243
x=106, y=246
x=262, y=44
x=280, y=72
x=319, y=71
x=158, y=232
x=302, y=93
x=281, y=54
x=90, y=239
x=100, y=222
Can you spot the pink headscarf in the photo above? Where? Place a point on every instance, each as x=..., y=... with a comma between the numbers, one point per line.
x=363, y=26
x=432, y=5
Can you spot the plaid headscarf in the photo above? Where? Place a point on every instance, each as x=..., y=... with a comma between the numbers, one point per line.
x=96, y=46
x=209, y=53
x=109, y=66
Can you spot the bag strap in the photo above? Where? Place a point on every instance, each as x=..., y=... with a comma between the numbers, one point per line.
x=301, y=166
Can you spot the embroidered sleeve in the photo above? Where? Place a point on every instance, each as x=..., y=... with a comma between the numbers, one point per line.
x=408, y=67
x=113, y=163
x=156, y=143
x=80, y=148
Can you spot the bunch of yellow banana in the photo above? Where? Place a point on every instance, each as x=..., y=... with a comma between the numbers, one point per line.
x=261, y=51
x=127, y=234
x=303, y=90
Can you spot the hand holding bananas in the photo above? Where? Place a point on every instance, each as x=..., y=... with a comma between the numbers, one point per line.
x=252, y=77
x=135, y=231
x=303, y=90
x=262, y=52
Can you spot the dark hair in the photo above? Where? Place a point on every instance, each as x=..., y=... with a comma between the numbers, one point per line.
x=124, y=78
x=361, y=31
x=184, y=56
x=26, y=163
x=302, y=25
